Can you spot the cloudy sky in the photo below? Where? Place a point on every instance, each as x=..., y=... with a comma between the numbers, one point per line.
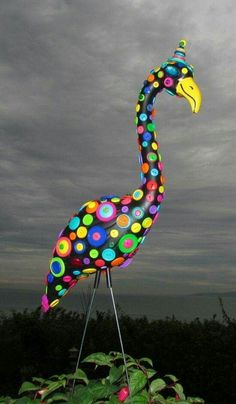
x=70, y=73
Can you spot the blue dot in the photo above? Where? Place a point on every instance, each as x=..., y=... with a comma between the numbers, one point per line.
x=108, y=254
x=56, y=267
x=143, y=117
x=76, y=272
x=172, y=71
x=147, y=136
x=50, y=278
x=74, y=223
x=150, y=107
x=97, y=236
x=147, y=90
x=144, y=144
x=154, y=172
x=62, y=292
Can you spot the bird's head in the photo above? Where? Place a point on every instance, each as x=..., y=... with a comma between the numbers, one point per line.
x=177, y=78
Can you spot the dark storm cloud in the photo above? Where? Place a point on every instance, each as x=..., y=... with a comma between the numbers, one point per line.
x=70, y=72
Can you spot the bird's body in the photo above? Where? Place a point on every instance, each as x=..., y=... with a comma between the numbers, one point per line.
x=107, y=233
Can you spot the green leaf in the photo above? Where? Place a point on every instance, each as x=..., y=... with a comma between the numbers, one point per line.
x=78, y=375
x=115, y=373
x=139, y=398
x=100, y=390
x=179, y=390
x=172, y=377
x=26, y=400
x=28, y=386
x=147, y=360
x=195, y=400
x=52, y=387
x=150, y=373
x=157, y=385
x=57, y=397
x=137, y=381
x=39, y=380
x=159, y=399
x=99, y=358
x=82, y=395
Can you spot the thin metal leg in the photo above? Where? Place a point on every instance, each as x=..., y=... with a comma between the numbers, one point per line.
x=95, y=287
x=109, y=285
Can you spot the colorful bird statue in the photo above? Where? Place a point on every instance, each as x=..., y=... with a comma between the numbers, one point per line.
x=107, y=233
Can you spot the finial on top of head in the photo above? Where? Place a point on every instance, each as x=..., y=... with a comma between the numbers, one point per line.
x=179, y=54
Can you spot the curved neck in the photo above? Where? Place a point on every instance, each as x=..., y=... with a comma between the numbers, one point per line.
x=150, y=159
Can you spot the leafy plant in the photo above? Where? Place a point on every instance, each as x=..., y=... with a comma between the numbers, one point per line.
x=145, y=385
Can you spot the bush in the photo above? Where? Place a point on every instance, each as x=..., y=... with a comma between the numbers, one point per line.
x=145, y=385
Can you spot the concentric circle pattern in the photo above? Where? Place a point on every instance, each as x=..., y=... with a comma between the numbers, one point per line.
x=107, y=233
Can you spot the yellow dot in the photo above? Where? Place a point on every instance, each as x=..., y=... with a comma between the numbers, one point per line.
x=82, y=232
x=154, y=146
x=161, y=189
x=136, y=227
x=160, y=74
x=159, y=156
x=89, y=270
x=157, y=69
x=184, y=70
x=54, y=303
x=147, y=222
x=79, y=246
x=114, y=233
x=155, y=84
x=137, y=107
x=137, y=194
x=115, y=200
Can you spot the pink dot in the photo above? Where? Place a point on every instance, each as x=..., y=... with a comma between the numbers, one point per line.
x=160, y=198
x=128, y=243
x=67, y=278
x=168, y=81
x=149, y=197
x=156, y=217
x=160, y=165
x=126, y=201
x=140, y=130
x=96, y=236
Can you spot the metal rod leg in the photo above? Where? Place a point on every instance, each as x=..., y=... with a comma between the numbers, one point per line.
x=95, y=287
x=109, y=285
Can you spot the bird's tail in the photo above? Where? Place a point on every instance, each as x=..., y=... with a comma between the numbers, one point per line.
x=59, y=281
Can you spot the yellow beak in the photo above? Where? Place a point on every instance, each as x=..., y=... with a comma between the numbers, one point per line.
x=188, y=89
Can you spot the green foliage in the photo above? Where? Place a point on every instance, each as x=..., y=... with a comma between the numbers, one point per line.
x=201, y=353
x=108, y=389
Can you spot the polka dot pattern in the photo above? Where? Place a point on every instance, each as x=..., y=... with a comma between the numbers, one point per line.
x=107, y=233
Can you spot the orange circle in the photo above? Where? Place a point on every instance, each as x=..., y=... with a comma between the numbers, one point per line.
x=154, y=112
x=162, y=179
x=123, y=220
x=117, y=262
x=92, y=207
x=72, y=235
x=145, y=168
x=151, y=78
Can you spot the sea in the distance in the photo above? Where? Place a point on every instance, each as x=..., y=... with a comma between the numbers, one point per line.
x=182, y=307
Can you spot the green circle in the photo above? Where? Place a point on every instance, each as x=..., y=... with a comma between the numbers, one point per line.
x=88, y=219
x=58, y=288
x=125, y=249
x=141, y=97
x=151, y=127
x=57, y=267
x=152, y=156
x=93, y=253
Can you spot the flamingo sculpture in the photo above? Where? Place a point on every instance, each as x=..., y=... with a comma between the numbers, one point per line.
x=107, y=233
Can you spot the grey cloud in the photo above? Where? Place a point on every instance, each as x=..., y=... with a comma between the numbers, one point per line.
x=70, y=73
